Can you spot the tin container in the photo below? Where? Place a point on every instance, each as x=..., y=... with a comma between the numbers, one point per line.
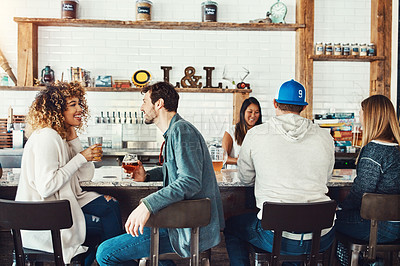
x=209, y=11
x=69, y=9
x=143, y=10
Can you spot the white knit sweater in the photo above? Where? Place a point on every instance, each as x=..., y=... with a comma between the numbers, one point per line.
x=51, y=169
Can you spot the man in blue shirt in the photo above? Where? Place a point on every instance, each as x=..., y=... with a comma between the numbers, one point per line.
x=187, y=173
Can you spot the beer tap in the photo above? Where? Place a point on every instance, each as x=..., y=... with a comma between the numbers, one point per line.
x=136, y=120
x=119, y=117
x=130, y=118
x=10, y=120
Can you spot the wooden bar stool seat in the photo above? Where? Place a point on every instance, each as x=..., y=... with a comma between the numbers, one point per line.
x=374, y=207
x=39, y=215
x=183, y=214
x=299, y=218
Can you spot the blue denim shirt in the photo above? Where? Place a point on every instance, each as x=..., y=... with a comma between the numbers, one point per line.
x=187, y=173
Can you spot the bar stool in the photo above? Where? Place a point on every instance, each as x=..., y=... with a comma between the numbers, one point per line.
x=299, y=218
x=183, y=214
x=374, y=207
x=43, y=215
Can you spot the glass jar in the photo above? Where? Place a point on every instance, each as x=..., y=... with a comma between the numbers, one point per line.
x=69, y=9
x=143, y=10
x=371, y=49
x=363, y=49
x=355, y=49
x=346, y=49
x=319, y=48
x=209, y=11
x=328, y=48
x=337, y=49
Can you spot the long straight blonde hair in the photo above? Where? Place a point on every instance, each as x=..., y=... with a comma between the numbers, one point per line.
x=379, y=120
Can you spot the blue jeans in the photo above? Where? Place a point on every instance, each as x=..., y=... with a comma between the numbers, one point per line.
x=349, y=222
x=125, y=249
x=243, y=229
x=103, y=221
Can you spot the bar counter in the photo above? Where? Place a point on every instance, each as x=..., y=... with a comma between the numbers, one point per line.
x=237, y=197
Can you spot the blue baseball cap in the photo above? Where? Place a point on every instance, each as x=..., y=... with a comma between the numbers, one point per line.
x=291, y=92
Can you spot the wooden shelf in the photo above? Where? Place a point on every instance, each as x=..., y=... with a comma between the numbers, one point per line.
x=165, y=25
x=110, y=89
x=352, y=58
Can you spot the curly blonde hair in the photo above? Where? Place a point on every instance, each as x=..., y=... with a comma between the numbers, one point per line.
x=50, y=103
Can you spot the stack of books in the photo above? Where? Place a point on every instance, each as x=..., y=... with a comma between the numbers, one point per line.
x=340, y=126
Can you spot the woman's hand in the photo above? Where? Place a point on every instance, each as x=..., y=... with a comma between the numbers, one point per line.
x=93, y=153
x=71, y=133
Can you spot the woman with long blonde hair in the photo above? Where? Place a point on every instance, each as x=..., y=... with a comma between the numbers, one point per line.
x=378, y=169
x=54, y=162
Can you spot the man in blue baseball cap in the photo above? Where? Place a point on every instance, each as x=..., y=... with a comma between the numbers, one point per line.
x=288, y=159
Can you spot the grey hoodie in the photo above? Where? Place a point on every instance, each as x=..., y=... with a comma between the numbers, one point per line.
x=289, y=159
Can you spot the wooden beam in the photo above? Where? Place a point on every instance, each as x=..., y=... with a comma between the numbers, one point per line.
x=165, y=25
x=351, y=58
x=304, y=47
x=238, y=99
x=381, y=35
x=27, y=53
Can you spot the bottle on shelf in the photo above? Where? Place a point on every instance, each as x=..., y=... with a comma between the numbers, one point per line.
x=371, y=49
x=363, y=49
x=346, y=49
x=328, y=49
x=337, y=49
x=355, y=49
x=319, y=48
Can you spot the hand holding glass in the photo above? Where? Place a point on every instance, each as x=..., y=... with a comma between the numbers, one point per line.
x=130, y=164
x=218, y=157
x=98, y=150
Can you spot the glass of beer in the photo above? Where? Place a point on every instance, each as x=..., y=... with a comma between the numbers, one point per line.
x=218, y=157
x=96, y=140
x=130, y=164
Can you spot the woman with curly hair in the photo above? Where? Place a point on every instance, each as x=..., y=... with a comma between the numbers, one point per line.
x=54, y=162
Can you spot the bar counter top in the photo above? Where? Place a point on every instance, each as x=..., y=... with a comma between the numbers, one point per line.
x=111, y=176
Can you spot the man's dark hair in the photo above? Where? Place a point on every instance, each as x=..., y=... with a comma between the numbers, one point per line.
x=290, y=107
x=166, y=91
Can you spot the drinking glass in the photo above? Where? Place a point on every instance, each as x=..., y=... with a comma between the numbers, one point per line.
x=96, y=140
x=218, y=157
x=130, y=164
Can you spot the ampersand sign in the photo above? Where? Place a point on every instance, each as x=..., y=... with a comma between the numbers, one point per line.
x=190, y=78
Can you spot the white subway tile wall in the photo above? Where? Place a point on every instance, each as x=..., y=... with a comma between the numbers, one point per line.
x=269, y=56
